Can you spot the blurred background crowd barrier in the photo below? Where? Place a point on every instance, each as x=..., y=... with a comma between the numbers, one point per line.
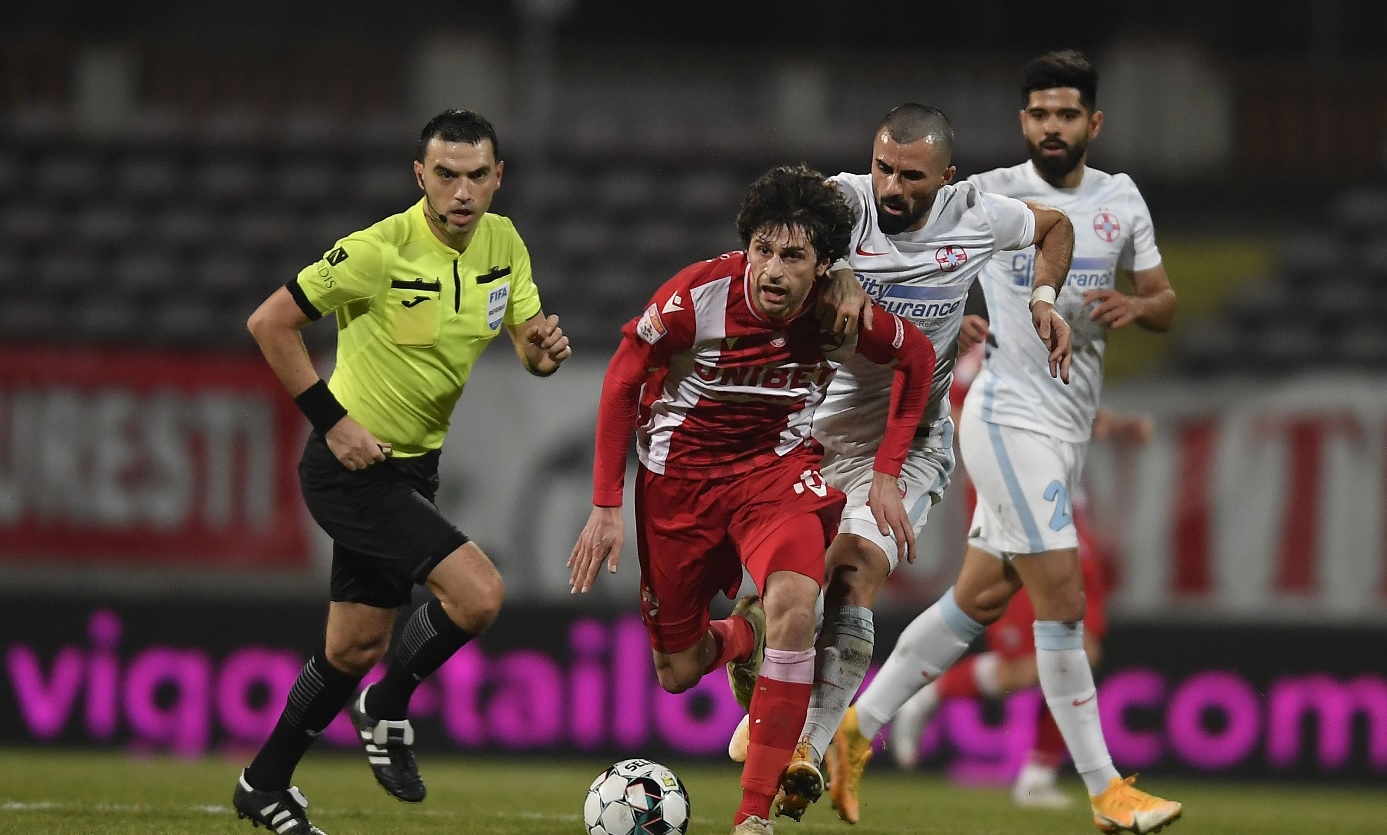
x=157, y=181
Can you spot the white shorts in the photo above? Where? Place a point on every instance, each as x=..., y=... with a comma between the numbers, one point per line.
x=1025, y=481
x=924, y=475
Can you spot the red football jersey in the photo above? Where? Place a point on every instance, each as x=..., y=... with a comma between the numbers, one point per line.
x=722, y=389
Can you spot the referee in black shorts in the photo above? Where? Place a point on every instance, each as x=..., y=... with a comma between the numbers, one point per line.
x=417, y=297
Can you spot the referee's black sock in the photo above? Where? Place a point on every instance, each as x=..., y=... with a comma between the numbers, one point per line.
x=318, y=694
x=430, y=638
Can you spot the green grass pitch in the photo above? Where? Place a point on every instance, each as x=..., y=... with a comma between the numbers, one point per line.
x=71, y=793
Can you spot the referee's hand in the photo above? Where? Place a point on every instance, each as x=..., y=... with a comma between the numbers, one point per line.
x=355, y=446
x=549, y=338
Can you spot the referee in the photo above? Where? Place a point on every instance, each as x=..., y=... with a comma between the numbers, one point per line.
x=417, y=297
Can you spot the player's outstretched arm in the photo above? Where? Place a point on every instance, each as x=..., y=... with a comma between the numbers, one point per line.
x=1152, y=306
x=540, y=343
x=599, y=542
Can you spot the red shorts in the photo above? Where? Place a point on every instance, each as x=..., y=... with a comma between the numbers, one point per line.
x=1012, y=636
x=694, y=536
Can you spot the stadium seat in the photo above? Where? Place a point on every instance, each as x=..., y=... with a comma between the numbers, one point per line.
x=221, y=275
x=270, y=229
x=1362, y=210
x=68, y=273
x=29, y=223
x=185, y=226
x=150, y=179
x=1313, y=252
x=1290, y=346
x=309, y=184
x=107, y=321
x=29, y=319
x=1364, y=347
x=149, y=272
x=65, y=176
x=227, y=180
x=11, y=174
x=105, y=224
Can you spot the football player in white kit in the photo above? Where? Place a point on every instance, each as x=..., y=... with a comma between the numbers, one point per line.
x=919, y=242
x=1023, y=438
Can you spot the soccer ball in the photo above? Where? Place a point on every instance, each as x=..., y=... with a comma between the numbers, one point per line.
x=636, y=797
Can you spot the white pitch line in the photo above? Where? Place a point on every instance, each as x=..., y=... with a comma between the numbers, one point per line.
x=218, y=809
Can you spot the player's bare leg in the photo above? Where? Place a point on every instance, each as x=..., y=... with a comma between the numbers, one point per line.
x=1055, y=584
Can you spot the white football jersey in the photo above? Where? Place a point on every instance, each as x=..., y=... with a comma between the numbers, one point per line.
x=922, y=276
x=1112, y=228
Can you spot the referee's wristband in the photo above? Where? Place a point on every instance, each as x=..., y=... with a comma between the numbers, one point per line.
x=1042, y=293
x=320, y=406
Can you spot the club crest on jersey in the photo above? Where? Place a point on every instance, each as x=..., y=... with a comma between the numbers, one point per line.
x=1106, y=227
x=651, y=328
x=950, y=257
x=778, y=340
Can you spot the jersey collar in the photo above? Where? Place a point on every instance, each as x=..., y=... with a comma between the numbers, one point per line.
x=419, y=222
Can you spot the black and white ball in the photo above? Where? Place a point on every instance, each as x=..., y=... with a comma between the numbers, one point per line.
x=636, y=797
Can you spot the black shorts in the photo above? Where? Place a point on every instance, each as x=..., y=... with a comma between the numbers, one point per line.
x=387, y=533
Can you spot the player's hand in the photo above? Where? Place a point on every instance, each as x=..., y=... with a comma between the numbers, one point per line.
x=599, y=542
x=971, y=332
x=1055, y=333
x=549, y=338
x=843, y=304
x=354, y=445
x=888, y=510
x=1113, y=309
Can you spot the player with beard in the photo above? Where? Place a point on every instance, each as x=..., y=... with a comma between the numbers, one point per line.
x=1023, y=439
x=918, y=242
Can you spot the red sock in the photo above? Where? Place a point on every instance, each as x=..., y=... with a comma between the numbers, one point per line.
x=1049, y=742
x=734, y=638
x=958, y=681
x=778, y=709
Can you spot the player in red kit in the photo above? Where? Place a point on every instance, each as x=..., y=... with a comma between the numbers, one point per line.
x=719, y=377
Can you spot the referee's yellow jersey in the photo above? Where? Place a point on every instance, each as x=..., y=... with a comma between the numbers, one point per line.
x=413, y=315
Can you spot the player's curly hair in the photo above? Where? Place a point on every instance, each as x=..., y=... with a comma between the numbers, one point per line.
x=1061, y=68
x=789, y=196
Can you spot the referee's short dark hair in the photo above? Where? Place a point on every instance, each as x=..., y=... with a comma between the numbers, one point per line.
x=1062, y=68
x=458, y=126
x=798, y=195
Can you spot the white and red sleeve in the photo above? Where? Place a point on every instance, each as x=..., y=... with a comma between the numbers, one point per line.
x=666, y=327
x=893, y=338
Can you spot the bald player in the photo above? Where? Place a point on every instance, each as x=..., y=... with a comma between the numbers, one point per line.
x=918, y=242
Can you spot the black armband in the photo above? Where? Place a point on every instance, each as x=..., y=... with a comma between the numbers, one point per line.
x=320, y=406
